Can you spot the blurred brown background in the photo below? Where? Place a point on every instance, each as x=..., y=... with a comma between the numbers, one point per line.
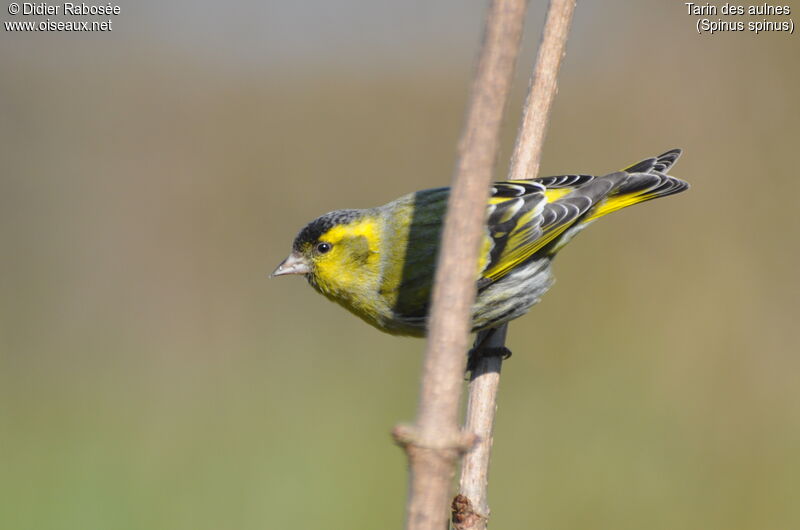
x=152, y=377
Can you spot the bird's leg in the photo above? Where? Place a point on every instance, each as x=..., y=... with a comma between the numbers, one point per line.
x=488, y=343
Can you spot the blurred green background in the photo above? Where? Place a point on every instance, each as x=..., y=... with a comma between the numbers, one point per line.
x=152, y=377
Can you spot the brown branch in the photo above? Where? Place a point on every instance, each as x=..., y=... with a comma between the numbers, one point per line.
x=435, y=442
x=470, y=507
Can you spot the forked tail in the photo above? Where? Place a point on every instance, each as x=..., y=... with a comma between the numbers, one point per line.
x=644, y=181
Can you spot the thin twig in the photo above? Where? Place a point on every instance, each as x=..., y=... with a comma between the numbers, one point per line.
x=542, y=91
x=481, y=408
x=434, y=444
x=470, y=507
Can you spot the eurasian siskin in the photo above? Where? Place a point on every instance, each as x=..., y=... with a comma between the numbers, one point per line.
x=379, y=263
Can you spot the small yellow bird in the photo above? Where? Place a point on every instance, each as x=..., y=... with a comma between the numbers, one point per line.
x=379, y=262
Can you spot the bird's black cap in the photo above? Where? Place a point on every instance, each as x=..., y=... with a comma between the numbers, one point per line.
x=316, y=228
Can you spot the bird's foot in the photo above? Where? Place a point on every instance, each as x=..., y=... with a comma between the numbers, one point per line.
x=479, y=352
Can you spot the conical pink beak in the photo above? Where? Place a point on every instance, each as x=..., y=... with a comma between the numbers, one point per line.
x=294, y=264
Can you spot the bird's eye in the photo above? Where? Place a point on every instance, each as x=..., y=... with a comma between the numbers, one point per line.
x=323, y=248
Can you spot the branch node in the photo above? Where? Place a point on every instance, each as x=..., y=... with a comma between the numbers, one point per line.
x=464, y=515
x=467, y=441
x=404, y=435
x=408, y=437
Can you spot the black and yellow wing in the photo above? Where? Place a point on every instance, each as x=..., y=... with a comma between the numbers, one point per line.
x=530, y=218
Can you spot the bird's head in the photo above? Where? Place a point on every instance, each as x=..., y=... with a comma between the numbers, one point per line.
x=337, y=253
